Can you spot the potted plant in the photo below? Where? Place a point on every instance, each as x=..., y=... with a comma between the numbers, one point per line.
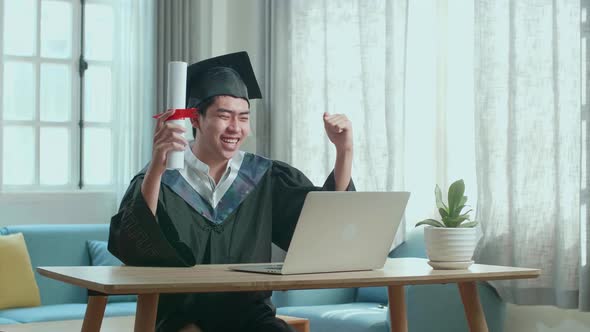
x=450, y=243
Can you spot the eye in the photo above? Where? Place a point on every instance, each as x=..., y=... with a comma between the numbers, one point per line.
x=223, y=116
x=244, y=118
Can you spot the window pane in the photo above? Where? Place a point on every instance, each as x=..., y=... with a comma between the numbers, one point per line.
x=19, y=155
x=98, y=32
x=54, y=154
x=56, y=92
x=20, y=26
x=19, y=91
x=97, y=156
x=56, y=29
x=97, y=94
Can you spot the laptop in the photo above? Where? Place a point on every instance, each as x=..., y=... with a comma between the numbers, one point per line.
x=340, y=231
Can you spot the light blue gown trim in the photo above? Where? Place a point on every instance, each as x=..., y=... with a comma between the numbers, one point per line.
x=251, y=172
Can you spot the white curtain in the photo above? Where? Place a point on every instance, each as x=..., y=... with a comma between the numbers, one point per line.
x=340, y=57
x=385, y=64
x=150, y=34
x=186, y=31
x=528, y=120
x=134, y=97
x=181, y=36
x=441, y=90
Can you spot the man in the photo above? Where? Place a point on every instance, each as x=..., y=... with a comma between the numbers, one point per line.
x=225, y=206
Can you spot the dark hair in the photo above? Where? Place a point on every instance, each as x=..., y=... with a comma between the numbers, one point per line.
x=202, y=108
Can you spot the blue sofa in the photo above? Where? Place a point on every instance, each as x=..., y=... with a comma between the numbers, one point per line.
x=59, y=245
x=430, y=307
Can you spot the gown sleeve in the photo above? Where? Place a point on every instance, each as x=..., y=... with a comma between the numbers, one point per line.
x=139, y=238
x=290, y=186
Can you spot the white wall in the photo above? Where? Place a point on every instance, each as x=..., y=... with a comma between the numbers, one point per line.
x=56, y=208
x=238, y=25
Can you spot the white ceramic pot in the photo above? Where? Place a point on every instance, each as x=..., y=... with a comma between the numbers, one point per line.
x=450, y=248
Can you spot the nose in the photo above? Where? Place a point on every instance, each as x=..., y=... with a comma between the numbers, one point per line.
x=233, y=125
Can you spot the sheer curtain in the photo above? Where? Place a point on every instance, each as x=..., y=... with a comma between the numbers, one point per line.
x=441, y=90
x=182, y=35
x=401, y=71
x=134, y=74
x=340, y=57
x=145, y=45
x=528, y=118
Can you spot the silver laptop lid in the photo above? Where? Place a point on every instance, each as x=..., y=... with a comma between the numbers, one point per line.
x=345, y=231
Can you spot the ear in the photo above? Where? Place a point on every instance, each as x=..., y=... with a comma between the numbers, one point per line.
x=196, y=121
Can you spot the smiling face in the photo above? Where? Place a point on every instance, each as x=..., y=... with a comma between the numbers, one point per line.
x=222, y=129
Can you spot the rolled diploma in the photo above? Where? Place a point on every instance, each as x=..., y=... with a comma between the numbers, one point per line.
x=176, y=98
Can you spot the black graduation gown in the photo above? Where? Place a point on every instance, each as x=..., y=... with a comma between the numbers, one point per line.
x=261, y=207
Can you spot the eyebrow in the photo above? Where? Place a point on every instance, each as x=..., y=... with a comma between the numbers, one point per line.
x=223, y=110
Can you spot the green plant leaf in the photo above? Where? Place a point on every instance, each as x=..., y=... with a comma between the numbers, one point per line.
x=469, y=224
x=439, y=202
x=465, y=214
x=455, y=212
x=460, y=220
x=430, y=222
x=453, y=222
x=463, y=201
x=448, y=222
x=455, y=195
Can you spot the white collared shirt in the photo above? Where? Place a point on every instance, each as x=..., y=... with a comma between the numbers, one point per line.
x=196, y=173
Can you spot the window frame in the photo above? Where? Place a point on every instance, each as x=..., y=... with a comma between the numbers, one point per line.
x=76, y=124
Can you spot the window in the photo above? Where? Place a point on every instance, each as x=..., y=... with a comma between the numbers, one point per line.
x=402, y=71
x=56, y=128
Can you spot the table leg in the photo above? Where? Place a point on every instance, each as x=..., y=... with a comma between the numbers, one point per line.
x=145, y=315
x=397, y=308
x=473, y=310
x=94, y=313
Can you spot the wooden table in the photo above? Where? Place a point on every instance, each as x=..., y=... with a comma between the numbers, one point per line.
x=149, y=282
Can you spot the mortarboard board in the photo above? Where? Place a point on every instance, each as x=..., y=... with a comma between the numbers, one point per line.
x=229, y=74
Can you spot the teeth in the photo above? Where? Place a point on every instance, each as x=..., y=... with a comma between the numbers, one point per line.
x=232, y=140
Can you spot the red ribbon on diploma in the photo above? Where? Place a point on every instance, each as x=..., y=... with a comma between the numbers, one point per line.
x=179, y=114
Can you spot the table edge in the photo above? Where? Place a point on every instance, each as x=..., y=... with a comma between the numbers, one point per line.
x=276, y=285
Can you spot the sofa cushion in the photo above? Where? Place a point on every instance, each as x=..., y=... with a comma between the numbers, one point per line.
x=350, y=317
x=7, y=321
x=68, y=311
x=68, y=248
x=17, y=281
x=372, y=294
x=100, y=256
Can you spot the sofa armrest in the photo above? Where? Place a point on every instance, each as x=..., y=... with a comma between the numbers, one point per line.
x=313, y=297
x=413, y=246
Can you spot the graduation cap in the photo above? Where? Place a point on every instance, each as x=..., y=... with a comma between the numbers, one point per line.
x=229, y=74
